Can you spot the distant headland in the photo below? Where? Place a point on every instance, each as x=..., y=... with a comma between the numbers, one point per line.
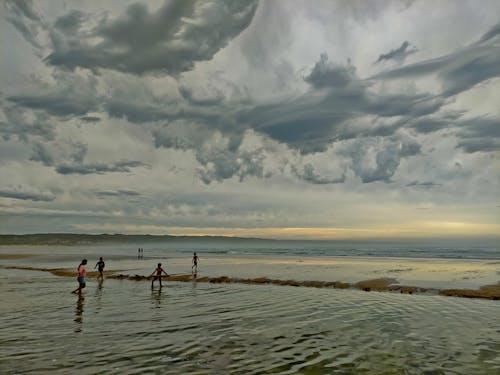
x=68, y=239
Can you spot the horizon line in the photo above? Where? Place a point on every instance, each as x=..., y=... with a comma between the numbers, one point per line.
x=232, y=236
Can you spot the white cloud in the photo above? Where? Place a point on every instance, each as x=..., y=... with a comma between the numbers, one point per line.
x=233, y=115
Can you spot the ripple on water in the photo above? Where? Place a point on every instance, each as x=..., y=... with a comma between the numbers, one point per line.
x=125, y=328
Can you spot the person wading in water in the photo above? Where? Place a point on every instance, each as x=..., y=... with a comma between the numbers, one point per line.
x=157, y=274
x=82, y=273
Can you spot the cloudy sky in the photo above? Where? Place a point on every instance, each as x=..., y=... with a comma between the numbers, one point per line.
x=278, y=119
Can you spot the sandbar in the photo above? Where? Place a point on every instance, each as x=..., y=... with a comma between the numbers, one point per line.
x=380, y=284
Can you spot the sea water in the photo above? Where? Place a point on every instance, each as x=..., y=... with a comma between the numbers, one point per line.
x=125, y=327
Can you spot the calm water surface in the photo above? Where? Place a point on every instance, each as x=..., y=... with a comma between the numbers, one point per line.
x=124, y=327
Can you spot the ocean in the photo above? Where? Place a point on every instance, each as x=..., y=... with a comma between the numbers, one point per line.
x=126, y=327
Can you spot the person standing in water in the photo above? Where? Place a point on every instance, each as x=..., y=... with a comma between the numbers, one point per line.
x=157, y=274
x=82, y=273
x=100, y=267
x=194, y=267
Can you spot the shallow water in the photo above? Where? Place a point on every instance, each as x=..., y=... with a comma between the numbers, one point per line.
x=124, y=327
x=438, y=273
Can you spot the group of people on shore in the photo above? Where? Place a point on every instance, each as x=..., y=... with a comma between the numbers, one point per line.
x=156, y=275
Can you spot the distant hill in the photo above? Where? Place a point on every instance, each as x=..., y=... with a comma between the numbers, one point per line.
x=82, y=239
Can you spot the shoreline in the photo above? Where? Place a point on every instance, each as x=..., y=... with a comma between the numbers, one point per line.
x=491, y=291
x=249, y=256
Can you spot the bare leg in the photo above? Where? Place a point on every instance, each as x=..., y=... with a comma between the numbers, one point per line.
x=78, y=290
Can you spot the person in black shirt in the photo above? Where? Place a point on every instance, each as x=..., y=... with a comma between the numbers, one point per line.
x=100, y=267
x=194, y=267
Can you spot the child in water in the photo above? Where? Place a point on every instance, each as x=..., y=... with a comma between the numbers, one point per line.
x=82, y=273
x=100, y=267
x=195, y=263
x=157, y=274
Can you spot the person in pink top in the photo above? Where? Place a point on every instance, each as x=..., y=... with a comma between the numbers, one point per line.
x=82, y=273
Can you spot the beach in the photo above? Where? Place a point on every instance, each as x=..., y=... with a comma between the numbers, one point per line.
x=244, y=314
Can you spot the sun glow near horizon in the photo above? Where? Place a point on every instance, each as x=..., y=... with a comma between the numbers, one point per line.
x=429, y=229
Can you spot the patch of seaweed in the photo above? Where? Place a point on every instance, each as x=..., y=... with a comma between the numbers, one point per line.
x=375, y=284
x=486, y=291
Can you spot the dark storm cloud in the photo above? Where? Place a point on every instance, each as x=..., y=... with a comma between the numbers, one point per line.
x=309, y=123
x=68, y=158
x=23, y=195
x=138, y=111
x=492, y=33
x=221, y=164
x=472, y=145
x=51, y=154
x=426, y=184
x=480, y=127
x=20, y=124
x=475, y=134
x=327, y=74
x=217, y=162
x=309, y=174
x=399, y=55
x=58, y=104
x=42, y=154
x=90, y=118
x=460, y=70
x=376, y=159
x=479, y=135
x=23, y=16
x=429, y=125
x=117, y=193
x=99, y=168
x=23, y=8
x=192, y=99
x=169, y=40
x=314, y=120
x=72, y=94
x=184, y=135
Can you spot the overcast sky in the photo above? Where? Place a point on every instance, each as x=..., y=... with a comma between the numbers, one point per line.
x=279, y=119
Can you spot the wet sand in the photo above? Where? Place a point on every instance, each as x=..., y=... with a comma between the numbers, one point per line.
x=380, y=284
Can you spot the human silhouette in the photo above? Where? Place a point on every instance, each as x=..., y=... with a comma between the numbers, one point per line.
x=100, y=267
x=194, y=267
x=82, y=274
x=157, y=274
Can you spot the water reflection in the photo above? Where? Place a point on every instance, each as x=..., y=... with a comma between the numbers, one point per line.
x=100, y=281
x=156, y=297
x=98, y=294
x=79, y=313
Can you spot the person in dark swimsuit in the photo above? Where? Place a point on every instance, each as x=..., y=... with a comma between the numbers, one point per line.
x=100, y=267
x=194, y=267
x=157, y=274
